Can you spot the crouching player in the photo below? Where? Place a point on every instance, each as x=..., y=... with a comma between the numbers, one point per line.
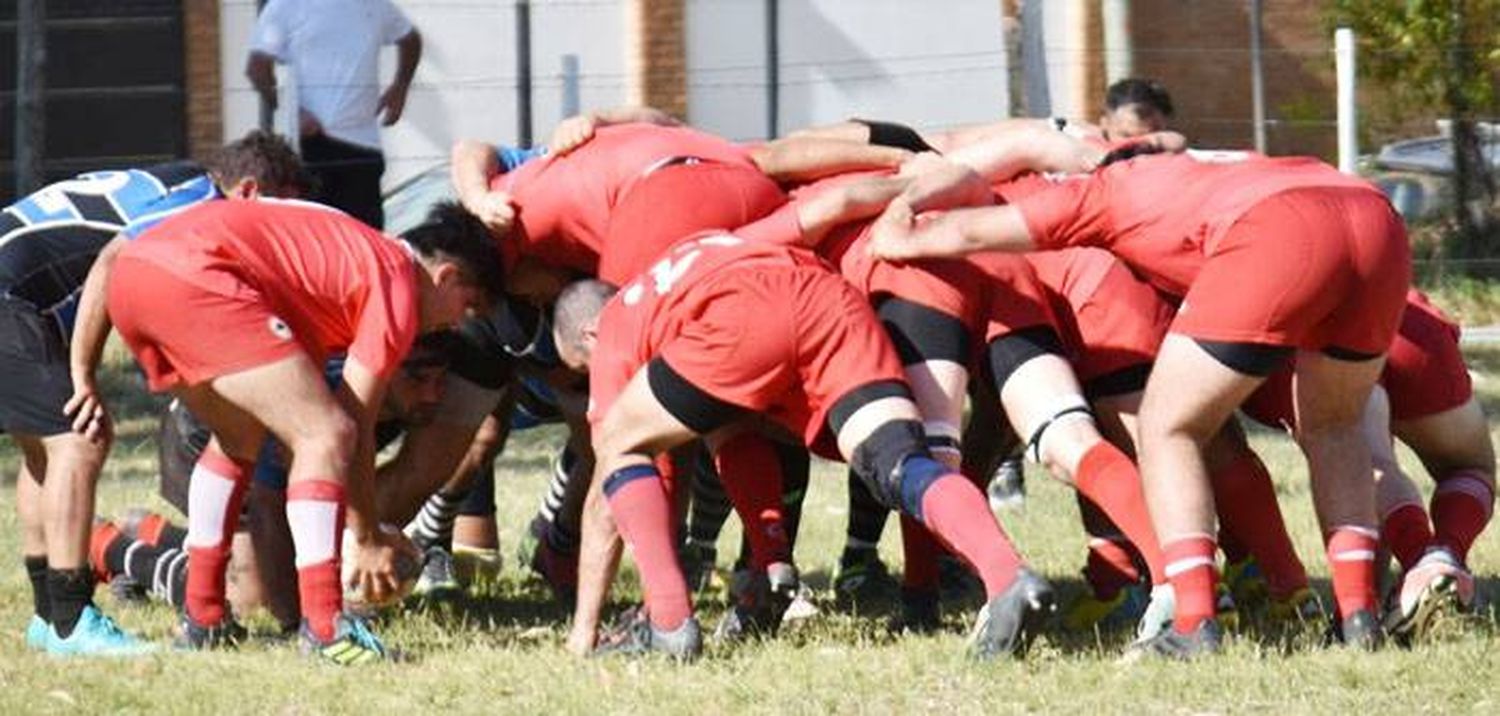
x=719, y=330
x=234, y=307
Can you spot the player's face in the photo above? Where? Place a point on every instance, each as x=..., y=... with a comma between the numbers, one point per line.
x=415, y=393
x=1132, y=120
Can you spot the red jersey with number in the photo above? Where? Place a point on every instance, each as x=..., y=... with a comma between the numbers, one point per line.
x=339, y=284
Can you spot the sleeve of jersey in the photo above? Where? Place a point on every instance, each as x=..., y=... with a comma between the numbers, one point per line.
x=511, y=158
x=611, y=368
x=394, y=24
x=387, y=324
x=272, y=30
x=179, y=199
x=1069, y=214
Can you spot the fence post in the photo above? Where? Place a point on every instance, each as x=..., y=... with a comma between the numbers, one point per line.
x=31, y=107
x=1348, y=115
x=523, y=72
x=1257, y=78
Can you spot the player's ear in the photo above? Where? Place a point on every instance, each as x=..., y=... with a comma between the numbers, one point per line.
x=247, y=188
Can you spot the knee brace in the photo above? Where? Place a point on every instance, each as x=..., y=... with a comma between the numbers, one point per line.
x=1069, y=407
x=895, y=464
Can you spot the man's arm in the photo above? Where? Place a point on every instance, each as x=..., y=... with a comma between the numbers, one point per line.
x=599, y=551
x=261, y=69
x=472, y=164
x=797, y=160
x=375, y=565
x=899, y=234
x=1006, y=155
x=90, y=330
x=393, y=100
x=577, y=130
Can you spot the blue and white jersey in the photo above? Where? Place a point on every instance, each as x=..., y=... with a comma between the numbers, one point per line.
x=513, y=157
x=49, y=240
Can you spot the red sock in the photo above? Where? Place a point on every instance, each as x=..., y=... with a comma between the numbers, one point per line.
x=1233, y=548
x=216, y=491
x=1110, y=480
x=643, y=513
x=920, y=551
x=1406, y=532
x=750, y=470
x=1461, y=509
x=957, y=513
x=1351, y=559
x=1110, y=566
x=1190, y=569
x=1247, y=507
x=315, y=513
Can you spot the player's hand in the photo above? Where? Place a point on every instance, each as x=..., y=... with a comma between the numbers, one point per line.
x=494, y=208
x=937, y=183
x=1058, y=152
x=375, y=574
x=308, y=124
x=392, y=104
x=572, y=133
x=87, y=411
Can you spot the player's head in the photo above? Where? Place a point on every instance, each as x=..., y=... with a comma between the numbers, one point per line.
x=258, y=164
x=417, y=390
x=455, y=250
x=1135, y=106
x=575, y=321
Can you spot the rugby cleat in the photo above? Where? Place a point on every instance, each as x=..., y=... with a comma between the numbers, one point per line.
x=1360, y=630
x=1157, y=617
x=1169, y=643
x=37, y=631
x=698, y=561
x=192, y=636
x=1246, y=583
x=634, y=636
x=1437, y=584
x=353, y=644
x=437, y=580
x=558, y=570
x=96, y=634
x=920, y=612
x=1302, y=607
x=1007, y=488
x=476, y=567
x=1088, y=612
x=760, y=601
x=862, y=577
x=1006, y=625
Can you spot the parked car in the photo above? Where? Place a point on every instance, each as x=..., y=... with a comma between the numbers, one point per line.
x=1417, y=174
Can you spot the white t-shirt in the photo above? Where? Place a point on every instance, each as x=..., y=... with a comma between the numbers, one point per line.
x=333, y=47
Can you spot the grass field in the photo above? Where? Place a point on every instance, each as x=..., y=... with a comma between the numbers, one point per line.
x=501, y=653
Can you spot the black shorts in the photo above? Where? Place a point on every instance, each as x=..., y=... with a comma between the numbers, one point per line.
x=347, y=177
x=34, y=380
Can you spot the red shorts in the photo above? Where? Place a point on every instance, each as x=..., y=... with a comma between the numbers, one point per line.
x=676, y=201
x=787, y=341
x=1424, y=371
x=1310, y=268
x=188, y=330
x=1115, y=326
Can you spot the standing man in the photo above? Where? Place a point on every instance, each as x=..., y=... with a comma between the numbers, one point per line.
x=333, y=47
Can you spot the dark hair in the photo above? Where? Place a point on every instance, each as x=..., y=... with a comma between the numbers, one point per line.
x=262, y=156
x=451, y=232
x=1136, y=90
x=431, y=350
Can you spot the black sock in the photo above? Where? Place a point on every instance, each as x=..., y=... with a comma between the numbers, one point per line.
x=71, y=590
x=159, y=569
x=36, y=571
x=867, y=517
x=171, y=536
x=114, y=554
x=711, y=507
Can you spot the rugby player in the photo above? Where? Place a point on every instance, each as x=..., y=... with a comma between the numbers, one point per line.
x=1271, y=257
x=48, y=242
x=233, y=307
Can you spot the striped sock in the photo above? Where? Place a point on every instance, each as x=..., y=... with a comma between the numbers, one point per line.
x=216, y=492
x=1193, y=575
x=433, y=525
x=315, y=512
x=1351, y=560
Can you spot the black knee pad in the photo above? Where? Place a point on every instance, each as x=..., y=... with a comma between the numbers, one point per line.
x=1257, y=359
x=1008, y=352
x=894, y=463
x=480, y=499
x=891, y=134
x=921, y=334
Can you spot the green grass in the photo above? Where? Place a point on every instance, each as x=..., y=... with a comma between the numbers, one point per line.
x=501, y=653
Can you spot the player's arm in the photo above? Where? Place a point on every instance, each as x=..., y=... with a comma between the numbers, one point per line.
x=1006, y=155
x=797, y=160
x=599, y=553
x=900, y=234
x=361, y=393
x=393, y=99
x=260, y=68
x=85, y=350
x=472, y=164
x=577, y=130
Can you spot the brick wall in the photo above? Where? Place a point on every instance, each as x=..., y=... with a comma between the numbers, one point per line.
x=658, y=55
x=205, y=128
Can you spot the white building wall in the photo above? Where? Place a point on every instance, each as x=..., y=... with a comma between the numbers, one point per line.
x=932, y=63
